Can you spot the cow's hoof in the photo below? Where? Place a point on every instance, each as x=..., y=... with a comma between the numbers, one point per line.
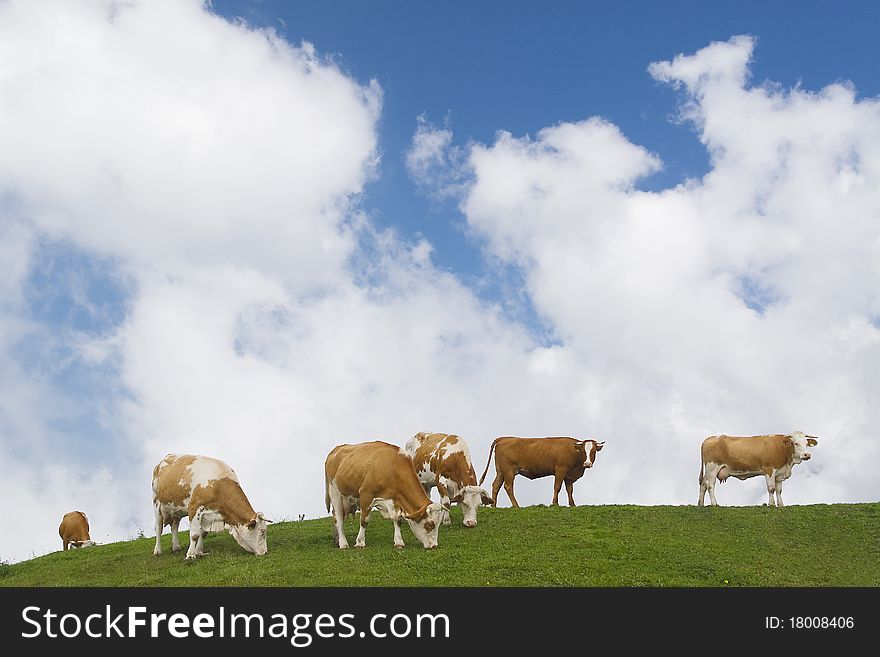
x=343, y=547
x=175, y=550
x=398, y=546
x=360, y=545
x=157, y=554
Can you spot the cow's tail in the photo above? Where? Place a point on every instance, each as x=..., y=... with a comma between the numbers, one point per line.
x=702, y=472
x=327, y=492
x=491, y=449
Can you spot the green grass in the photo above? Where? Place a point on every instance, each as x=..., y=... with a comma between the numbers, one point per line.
x=821, y=545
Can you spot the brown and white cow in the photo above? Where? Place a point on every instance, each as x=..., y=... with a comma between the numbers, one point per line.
x=74, y=530
x=564, y=458
x=444, y=461
x=378, y=475
x=208, y=492
x=772, y=456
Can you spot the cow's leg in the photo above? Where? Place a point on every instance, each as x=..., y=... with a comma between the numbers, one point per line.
x=159, y=525
x=771, y=488
x=66, y=542
x=508, y=487
x=444, y=500
x=558, y=478
x=338, y=506
x=569, y=488
x=196, y=536
x=710, y=473
x=175, y=543
x=496, y=486
x=398, y=539
x=779, y=493
x=366, y=509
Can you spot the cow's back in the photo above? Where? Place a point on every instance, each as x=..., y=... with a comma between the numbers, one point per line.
x=747, y=453
x=539, y=456
x=172, y=479
x=377, y=467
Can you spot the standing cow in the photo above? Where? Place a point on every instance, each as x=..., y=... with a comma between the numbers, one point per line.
x=207, y=491
x=444, y=461
x=772, y=456
x=378, y=475
x=564, y=458
x=74, y=530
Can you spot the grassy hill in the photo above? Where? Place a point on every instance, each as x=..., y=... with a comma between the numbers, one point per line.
x=821, y=545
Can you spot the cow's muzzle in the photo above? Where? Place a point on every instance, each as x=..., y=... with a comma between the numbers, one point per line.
x=470, y=523
x=807, y=456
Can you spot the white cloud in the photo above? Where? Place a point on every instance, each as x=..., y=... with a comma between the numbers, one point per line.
x=651, y=292
x=435, y=164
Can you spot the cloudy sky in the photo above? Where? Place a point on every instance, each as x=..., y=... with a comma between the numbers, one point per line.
x=256, y=230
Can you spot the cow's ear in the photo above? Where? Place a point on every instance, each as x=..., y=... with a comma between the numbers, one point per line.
x=458, y=498
x=786, y=441
x=252, y=523
x=599, y=446
x=812, y=442
x=484, y=497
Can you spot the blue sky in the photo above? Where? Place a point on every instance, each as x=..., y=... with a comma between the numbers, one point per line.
x=521, y=66
x=192, y=217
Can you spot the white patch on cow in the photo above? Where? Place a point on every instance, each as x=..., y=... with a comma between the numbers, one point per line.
x=426, y=475
x=204, y=471
x=212, y=521
x=800, y=447
x=447, y=449
x=428, y=539
x=386, y=508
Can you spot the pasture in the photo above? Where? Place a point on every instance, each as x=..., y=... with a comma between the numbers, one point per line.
x=615, y=545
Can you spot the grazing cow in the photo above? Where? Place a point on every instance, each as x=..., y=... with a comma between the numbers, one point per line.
x=742, y=457
x=444, y=461
x=74, y=530
x=381, y=476
x=206, y=490
x=564, y=458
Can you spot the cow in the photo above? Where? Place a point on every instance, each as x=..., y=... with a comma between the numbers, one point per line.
x=444, y=461
x=772, y=456
x=378, y=475
x=74, y=530
x=207, y=491
x=564, y=458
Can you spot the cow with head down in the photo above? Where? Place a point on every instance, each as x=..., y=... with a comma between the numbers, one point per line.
x=207, y=491
x=74, y=530
x=444, y=461
x=565, y=459
x=378, y=475
x=772, y=455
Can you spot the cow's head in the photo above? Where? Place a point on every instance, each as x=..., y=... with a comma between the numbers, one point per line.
x=799, y=443
x=82, y=544
x=425, y=523
x=470, y=497
x=252, y=535
x=589, y=447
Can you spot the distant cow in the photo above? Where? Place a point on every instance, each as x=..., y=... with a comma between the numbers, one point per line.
x=207, y=491
x=564, y=458
x=444, y=461
x=772, y=456
x=381, y=476
x=74, y=530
